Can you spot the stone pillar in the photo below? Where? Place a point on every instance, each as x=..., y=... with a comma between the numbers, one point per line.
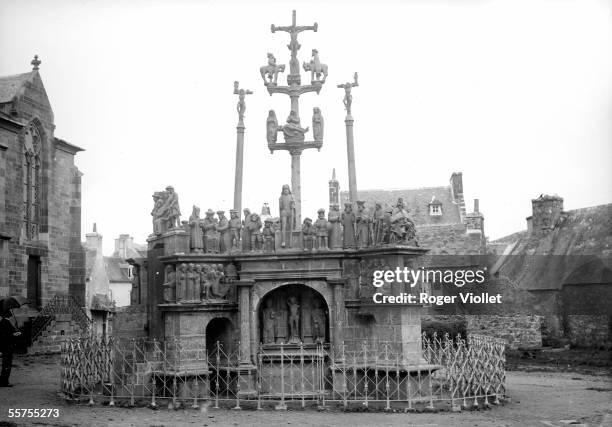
x=296, y=186
x=239, y=166
x=350, y=153
x=336, y=316
x=244, y=304
x=295, y=106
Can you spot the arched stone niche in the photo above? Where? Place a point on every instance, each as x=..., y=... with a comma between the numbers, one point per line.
x=313, y=299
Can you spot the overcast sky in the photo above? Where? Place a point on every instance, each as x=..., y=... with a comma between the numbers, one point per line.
x=515, y=94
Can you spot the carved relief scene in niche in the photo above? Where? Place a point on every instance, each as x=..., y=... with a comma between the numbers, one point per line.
x=293, y=314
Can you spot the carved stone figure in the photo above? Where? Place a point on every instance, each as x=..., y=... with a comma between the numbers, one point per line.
x=235, y=225
x=271, y=127
x=308, y=235
x=269, y=323
x=218, y=288
x=268, y=235
x=265, y=213
x=348, y=98
x=205, y=283
x=348, y=225
x=241, y=106
x=246, y=232
x=170, y=209
x=211, y=236
x=169, y=285
x=322, y=228
x=318, y=70
x=378, y=224
x=224, y=233
x=196, y=239
x=157, y=214
x=255, y=232
x=318, y=322
x=292, y=130
x=192, y=293
x=230, y=272
x=294, y=319
x=317, y=124
x=362, y=224
x=181, y=282
x=286, y=206
x=269, y=73
x=335, y=232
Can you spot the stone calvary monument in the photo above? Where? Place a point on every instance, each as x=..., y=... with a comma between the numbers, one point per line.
x=263, y=285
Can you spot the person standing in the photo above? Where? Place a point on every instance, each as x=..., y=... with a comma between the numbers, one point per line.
x=8, y=333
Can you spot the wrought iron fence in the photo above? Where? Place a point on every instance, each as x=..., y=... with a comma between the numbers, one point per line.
x=449, y=374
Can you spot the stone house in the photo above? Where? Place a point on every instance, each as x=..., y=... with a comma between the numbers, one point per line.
x=560, y=269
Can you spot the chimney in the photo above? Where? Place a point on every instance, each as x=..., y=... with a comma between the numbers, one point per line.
x=546, y=211
x=456, y=186
x=93, y=240
x=476, y=206
x=474, y=221
x=123, y=245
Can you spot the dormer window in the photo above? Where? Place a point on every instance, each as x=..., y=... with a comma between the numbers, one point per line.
x=435, y=207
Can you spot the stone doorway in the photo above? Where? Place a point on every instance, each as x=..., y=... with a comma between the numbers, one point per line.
x=220, y=330
x=293, y=314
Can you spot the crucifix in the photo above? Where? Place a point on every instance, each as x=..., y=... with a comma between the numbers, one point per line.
x=293, y=131
x=241, y=108
x=294, y=46
x=350, y=146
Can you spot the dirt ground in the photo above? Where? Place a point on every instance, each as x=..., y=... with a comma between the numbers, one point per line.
x=539, y=397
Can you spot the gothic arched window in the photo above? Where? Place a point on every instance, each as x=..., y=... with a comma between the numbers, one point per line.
x=31, y=181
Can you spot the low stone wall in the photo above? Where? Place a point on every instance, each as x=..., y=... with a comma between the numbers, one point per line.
x=520, y=331
x=129, y=322
x=592, y=331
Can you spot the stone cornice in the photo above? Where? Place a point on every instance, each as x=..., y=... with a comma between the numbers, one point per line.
x=62, y=145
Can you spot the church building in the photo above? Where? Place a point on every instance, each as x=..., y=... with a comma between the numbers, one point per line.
x=41, y=256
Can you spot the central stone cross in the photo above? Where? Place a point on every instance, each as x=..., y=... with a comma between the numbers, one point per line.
x=294, y=89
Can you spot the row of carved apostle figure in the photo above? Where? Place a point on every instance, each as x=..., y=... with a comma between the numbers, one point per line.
x=340, y=230
x=193, y=283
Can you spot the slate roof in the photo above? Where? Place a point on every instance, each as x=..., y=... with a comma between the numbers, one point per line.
x=417, y=200
x=117, y=269
x=11, y=85
x=578, y=250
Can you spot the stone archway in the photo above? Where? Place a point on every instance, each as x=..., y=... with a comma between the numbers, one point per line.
x=293, y=313
x=220, y=329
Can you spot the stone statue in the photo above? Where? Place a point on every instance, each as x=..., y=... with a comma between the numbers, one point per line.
x=241, y=106
x=192, y=293
x=196, y=239
x=378, y=221
x=317, y=124
x=205, y=283
x=211, y=237
x=265, y=212
x=269, y=73
x=268, y=235
x=181, y=282
x=292, y=130
x=235, y=225
x=255, y=232
x=308, y=233
x=286, y=206
x=271, y=127
x=348, y=98
x=348, y=224
x=246, y=231
x=269, y=323
x=322, y=228
x=170, y=209
x=402, y=229
x=335, y=232
x=218, y=287
x=294, y=319
x=362, y=224
x=318, y=70
x=158, y=218
x=169, y=286
x=318, y=322
x=222, y=227
x=135, y=292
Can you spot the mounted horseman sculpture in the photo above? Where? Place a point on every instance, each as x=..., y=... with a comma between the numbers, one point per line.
x=316, y=68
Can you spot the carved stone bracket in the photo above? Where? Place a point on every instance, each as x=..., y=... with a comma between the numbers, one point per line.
x=295, y=147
